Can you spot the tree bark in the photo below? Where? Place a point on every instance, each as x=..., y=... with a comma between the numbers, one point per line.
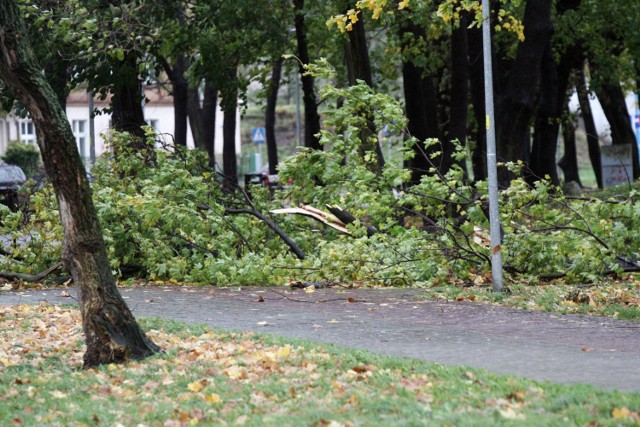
x=569, y=161
x=202, y=118
x=420, y=103
x=593, y=142
x=615, y=109
x=111, y=332
x=476, y=86
x=180, y=100
x=459, y=94
x=516, y=104
x=542, y=162
x=311, y=116
x=270, y=116
x=229, y=109
x=127, y=113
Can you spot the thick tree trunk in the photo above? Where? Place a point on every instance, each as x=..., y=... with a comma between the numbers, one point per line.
x=311, y=116
x=476, y=86
x=180, y=101
x=111, y=332
x=459, y=94
x=615, y=109
x=545, y=138
x=593, y=142
x=552, y=103
x=127, y=113
x=270, y=117
x=202, y=118
x=516, y=104
x=420, y=104
x=229, y=107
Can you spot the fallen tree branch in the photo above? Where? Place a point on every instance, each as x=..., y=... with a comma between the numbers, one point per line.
x=347, y=218
x=294, y=247
x=31, y=278
x=325, y=218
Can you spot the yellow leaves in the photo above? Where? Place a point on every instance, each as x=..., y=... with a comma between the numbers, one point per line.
x=212, y=398
x=196, y=386
x=403, y=4
x=236, y=372
x=57, y=394
x=624, y=414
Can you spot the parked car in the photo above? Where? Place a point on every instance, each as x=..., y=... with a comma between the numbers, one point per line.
x=262, y=178
x=11, y=179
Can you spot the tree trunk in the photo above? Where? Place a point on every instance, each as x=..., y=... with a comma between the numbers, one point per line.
x=229, y=109
x=311, y=116
x=127, y=113
x=615, y=109
x=545, y=138
x=569, y=161
x=111, y=332
x=516, y=104
x=589, y=125
x=270, y=116
x=476, y=86
x=202, y=118
x=180, y=101
x=420, y=104
x=359, y=68
x=459, y=92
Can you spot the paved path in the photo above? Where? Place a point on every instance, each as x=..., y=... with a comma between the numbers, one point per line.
x=399, y=322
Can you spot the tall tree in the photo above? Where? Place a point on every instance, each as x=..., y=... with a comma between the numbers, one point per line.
x=311, y=116
x=516, y=103
x=111, y=332
x=270, y=115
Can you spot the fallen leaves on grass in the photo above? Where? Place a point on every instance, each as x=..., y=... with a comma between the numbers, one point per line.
x=213, y=378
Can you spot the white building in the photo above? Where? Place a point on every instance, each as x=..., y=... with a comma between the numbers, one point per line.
x=158, y=112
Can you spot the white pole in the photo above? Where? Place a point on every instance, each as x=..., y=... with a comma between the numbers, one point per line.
x=494, y=213
x=92, y=130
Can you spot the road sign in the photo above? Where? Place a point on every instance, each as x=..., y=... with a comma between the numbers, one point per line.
x=258, y=135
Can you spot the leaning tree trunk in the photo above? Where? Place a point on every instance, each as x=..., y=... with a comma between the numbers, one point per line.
x=111, y=332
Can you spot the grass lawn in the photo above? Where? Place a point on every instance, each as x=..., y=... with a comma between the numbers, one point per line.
x=221, y=378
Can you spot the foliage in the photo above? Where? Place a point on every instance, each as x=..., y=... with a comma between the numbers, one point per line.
x=171, y=221
x=24, y=155
x=224, y=378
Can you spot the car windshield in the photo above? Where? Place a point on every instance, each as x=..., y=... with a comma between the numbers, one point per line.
x=11, y=173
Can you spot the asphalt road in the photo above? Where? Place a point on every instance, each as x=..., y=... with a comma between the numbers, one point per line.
x=567, y=349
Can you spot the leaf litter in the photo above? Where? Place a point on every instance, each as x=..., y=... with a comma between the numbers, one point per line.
x=208, y=377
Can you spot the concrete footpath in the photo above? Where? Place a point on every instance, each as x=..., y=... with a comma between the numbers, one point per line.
x=400, y=322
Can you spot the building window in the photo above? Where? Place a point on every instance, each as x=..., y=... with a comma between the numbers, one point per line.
x=27, y=132
x=80, y=133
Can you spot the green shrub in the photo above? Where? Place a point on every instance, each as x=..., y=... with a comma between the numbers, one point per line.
x=24, y=155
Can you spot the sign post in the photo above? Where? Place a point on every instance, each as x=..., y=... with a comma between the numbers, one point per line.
x=258, y=136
